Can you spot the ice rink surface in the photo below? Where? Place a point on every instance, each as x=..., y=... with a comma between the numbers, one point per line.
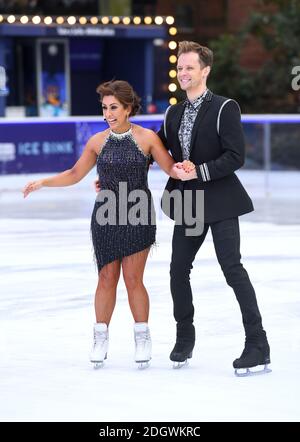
x=47, y=283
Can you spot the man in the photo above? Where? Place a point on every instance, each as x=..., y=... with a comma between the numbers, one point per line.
x=206, y=130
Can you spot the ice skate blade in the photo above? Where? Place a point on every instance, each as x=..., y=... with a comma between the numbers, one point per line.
x=177, y=365
x=142, y=365
x=248, y=372
x=98, y=364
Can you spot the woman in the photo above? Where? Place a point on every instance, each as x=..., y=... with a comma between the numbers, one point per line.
x=122, y=154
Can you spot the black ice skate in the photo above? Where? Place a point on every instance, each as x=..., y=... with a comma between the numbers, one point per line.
x=183, y=349
x=181, y=353
x=253, y=356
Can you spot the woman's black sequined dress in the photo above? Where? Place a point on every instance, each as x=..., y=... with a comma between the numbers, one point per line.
x=123, y=219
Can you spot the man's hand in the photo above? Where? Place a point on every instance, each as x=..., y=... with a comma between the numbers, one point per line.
x=186, y=176
x=185, y=171
x=97, y=185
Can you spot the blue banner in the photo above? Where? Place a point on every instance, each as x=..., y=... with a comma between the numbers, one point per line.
x=38, y=147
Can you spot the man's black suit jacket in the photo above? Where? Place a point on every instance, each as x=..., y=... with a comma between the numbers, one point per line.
x=216, y=154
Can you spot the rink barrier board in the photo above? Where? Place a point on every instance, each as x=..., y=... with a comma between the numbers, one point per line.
x=35, y=145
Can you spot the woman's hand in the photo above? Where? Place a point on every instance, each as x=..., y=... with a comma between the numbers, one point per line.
x=31, y=187
x=97, y=185
x=188, y=166
x=185, y=173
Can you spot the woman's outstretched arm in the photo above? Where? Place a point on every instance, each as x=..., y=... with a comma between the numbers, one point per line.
x=71, y=176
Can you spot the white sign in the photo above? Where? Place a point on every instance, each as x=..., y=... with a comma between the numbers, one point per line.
x=90, y=31
x=3, y=89
x=7, y=152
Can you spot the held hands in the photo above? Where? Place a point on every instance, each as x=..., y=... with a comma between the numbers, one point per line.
x=97, y=185
x=186, y=165
x=185, y=171
x=31, y=187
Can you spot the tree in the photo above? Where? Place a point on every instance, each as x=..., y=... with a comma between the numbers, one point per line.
x=277, y=26
x=228, y=78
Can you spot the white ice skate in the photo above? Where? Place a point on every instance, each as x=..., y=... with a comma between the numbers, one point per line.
x=99, y=351
x=143, y=346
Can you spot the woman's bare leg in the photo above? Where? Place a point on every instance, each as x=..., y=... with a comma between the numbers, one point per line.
x=133, y=267
x=106, y=292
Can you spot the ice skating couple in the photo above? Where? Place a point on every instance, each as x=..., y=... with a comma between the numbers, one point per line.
x=205, y=138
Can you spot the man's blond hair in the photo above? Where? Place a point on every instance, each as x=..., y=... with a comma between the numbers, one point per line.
x=206, y=56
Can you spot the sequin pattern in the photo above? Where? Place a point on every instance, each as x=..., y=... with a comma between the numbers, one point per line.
x=187, y=122
x=121, y=160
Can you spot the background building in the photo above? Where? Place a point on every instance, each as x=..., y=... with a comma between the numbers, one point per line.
x=54, y=64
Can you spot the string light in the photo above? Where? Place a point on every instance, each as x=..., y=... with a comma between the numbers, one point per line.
x=94, y=20
x=172, y=58
x=170, y=20
x=158, y=20
x=172, y=45
x=126, y=20
x=172, y=87
x=71, y=20
x=173, y=31
x=60, y=20
x=36, y=20
x=24, y=19
x=11, y=19
x=48, y=20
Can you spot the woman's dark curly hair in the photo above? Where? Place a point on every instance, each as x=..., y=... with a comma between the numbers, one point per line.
x=123, y=91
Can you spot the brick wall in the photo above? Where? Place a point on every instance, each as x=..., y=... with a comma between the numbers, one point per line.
x=214, y=17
